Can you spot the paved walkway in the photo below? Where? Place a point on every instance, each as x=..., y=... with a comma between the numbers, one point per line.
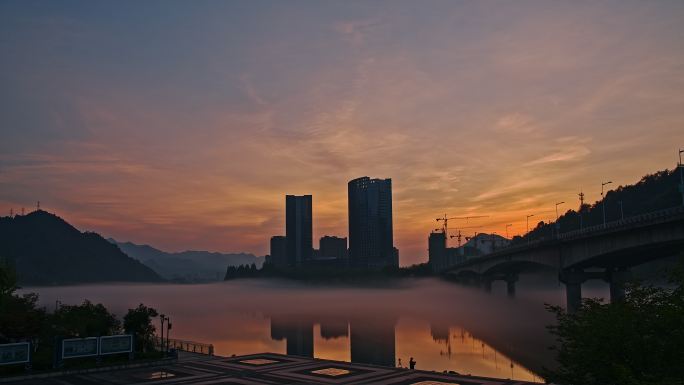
x=264, y=368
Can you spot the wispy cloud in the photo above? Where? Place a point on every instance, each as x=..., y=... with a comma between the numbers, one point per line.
x=191, y=142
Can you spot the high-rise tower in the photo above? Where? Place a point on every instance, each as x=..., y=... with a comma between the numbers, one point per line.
x=298, y=229
x=370, y=223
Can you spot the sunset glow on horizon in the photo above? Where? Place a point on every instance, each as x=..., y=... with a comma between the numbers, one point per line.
x=183, y=125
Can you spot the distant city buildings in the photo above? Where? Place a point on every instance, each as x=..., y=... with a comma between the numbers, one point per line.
x=278, y=256
x=370, y=223
x=333, y=247
x=298, y=229
x=370, y=231
x=441, y=257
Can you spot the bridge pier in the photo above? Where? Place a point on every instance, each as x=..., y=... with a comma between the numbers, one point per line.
x=616, y=279
x=487, y=285
x=511, y=279
x=573, y=280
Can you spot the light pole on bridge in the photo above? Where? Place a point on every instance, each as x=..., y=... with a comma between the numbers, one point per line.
x=680, y=166
x=557, y=224
x=622, y=211
x=603, y=202
x=507, y=226
x=527, y=222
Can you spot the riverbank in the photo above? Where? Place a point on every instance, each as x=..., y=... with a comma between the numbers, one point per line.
x=262, y=368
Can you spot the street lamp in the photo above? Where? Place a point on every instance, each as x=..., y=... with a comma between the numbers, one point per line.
x=622, y=211
x=527, y=222
x=162, y=318
x=558, y=224
x=507, y=226
x=559, y=203
x=168, y=332
x=680, y=166
x=603, y=202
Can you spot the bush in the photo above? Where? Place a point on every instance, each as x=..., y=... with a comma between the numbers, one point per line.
x=636, y=341
x=138, y=322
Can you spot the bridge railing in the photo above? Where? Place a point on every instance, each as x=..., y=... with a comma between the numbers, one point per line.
x=633, y=220
x=637, y=219
x=186, y=346
x=652, y=217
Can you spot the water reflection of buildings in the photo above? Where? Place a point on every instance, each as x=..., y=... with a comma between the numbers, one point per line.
x=297, y=332
x=440, y=334
x=371, y=342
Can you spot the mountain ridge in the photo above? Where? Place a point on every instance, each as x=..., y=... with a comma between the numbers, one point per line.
x=189, y=265
x=47, y=250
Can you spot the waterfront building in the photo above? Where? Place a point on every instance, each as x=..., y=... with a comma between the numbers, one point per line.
x=370, y=223
x=333, y=247
x=298, y=229
x=278, y=255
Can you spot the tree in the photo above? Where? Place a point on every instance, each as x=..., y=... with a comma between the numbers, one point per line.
x=8, y=280
x=138, y=322
x=20, y=319
x=85, y=320
x=636, y=341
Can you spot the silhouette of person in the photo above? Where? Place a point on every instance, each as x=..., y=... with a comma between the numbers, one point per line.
x=399, y=364
x=412, y=363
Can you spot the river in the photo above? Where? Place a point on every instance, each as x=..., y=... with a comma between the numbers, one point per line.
x=441, y=325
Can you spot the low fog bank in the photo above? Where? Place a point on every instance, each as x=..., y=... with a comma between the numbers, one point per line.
x=516, y=327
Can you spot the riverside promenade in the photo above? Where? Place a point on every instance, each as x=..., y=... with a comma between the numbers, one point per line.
x=260, y=369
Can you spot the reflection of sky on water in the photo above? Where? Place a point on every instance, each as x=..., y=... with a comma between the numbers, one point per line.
x=443, y=326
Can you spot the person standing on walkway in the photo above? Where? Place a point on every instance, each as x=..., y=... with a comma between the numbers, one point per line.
x=412, y=363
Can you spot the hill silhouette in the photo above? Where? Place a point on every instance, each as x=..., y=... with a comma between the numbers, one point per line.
x=187, y=266
x=46, y=250
x=657, y=191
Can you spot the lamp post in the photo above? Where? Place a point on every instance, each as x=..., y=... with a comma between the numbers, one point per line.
x=558, y=224
x=680, y=166
x=557, y=204
x=622, y=212
x=168, y=332
x=603, y=202
x=527, y=221
x=162, y=318
x=507, y=226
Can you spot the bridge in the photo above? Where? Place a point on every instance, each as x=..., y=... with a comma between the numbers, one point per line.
x=598, y=252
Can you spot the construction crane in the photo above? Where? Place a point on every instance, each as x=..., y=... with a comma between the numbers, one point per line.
x=446, y=220
x=459, y=236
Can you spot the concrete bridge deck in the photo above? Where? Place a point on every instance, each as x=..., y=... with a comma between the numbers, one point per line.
x=264, y=369
x=612, y=249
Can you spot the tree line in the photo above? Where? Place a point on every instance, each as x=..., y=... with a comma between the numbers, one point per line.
x=22, y=320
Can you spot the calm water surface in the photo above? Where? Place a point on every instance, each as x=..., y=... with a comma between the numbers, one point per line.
x=443, y=326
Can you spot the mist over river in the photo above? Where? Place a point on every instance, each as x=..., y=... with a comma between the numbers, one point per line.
x=442, y=325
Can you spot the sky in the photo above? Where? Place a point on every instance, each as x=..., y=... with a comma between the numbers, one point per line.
x=183, y=124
